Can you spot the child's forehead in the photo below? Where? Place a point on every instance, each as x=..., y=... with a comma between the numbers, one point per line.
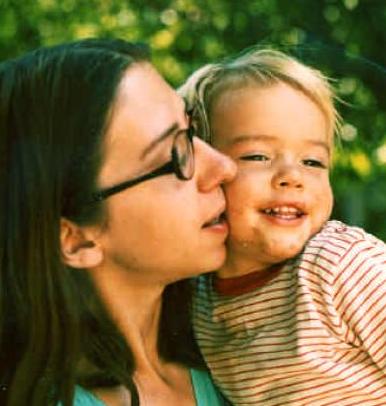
x=271, y=114
x=228, y=91
x=234, y=97
x=273, y=95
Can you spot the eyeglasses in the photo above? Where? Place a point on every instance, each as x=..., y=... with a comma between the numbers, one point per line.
x=181, y=164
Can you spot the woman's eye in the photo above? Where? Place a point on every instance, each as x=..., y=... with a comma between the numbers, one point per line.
x=254, y=157
x=315, y=163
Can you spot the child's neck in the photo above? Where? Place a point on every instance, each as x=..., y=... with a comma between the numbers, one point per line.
x=239, y=285
x=239, y=265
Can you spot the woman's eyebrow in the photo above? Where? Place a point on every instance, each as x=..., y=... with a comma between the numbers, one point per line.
x=169, y=131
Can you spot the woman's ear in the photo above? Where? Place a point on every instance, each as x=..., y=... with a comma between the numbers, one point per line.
x=79, y=245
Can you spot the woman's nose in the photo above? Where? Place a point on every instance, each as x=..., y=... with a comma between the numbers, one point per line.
x=288, y=175
x=213, y=167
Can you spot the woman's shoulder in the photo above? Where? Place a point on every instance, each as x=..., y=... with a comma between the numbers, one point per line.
x=206, y=393
x=84, y=397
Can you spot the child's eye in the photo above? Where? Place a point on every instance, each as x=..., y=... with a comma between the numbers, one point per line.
x=315, y=163
x=254, y=157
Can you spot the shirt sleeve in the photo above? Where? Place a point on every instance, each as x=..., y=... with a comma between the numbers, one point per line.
x=360, y=296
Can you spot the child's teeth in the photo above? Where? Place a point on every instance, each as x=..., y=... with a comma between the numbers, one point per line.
x=284, y=210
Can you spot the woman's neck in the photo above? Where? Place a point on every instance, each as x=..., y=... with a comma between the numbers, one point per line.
x=135, y=308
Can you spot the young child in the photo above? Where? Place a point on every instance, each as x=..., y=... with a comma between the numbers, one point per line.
x=297, y=315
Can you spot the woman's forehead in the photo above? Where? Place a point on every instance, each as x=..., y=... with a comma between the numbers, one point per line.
x=146, y=107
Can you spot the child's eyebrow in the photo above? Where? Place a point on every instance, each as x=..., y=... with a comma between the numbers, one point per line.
x=322, y=144
x=255, y=137
x=270, y=138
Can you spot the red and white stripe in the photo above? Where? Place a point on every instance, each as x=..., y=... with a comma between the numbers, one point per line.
x=314, y=335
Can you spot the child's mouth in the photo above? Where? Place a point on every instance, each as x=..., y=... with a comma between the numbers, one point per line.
x=284, y=212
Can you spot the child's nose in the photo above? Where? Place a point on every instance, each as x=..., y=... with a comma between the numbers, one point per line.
x=215, y=167
x=288, y=176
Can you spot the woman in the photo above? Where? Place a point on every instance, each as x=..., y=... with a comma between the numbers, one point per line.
x=106, y=201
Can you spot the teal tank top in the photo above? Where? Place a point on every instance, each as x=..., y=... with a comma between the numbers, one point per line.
x=205, y=392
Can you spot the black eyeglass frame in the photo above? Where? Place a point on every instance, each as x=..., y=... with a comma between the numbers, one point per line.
x=169, y=167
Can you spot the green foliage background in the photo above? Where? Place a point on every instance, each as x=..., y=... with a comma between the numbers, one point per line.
x=344, y=38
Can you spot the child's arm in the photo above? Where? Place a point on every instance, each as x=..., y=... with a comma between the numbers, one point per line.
x=360, y=296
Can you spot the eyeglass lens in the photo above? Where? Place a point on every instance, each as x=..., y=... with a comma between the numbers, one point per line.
x=184, y=155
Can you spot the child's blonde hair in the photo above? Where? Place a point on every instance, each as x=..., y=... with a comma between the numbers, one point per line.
x=263, y=67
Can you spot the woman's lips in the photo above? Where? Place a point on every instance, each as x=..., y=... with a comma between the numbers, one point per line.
x=217, y=224
x=214, y=221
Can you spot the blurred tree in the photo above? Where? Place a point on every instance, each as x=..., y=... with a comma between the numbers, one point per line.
x=344, y=38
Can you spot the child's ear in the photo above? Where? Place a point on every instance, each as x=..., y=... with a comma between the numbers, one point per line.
x=79, y=246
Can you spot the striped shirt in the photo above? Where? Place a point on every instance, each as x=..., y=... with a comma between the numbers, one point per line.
x=314, y=334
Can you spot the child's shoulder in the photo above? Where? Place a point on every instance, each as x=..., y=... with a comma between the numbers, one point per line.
x=336, y=239
x=335, y=230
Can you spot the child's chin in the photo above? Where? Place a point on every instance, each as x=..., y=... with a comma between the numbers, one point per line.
x=288, y=250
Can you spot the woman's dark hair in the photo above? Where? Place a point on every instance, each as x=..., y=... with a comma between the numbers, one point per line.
x=54, y=333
